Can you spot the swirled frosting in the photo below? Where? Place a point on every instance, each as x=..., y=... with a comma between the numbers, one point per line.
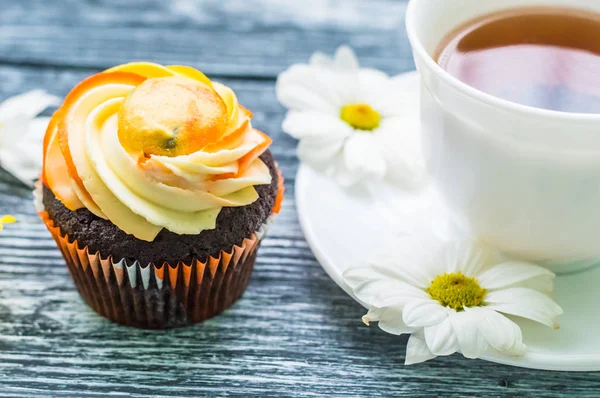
x=151, y=147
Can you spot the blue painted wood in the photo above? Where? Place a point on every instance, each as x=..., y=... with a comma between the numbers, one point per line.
x=294, y=333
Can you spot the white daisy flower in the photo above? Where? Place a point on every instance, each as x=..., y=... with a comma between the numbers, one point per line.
x=453, y=296
x=353, y=123
x=22, y=134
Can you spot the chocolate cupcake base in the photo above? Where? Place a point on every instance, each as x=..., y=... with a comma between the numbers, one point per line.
x=158, y=296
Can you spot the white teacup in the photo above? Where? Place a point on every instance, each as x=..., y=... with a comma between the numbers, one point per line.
x=525, y=180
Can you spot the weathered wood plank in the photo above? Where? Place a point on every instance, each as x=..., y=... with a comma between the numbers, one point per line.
x=294, y=333
x=250, y=38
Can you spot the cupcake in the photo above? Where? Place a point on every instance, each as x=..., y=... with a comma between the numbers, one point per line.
x=158, y=191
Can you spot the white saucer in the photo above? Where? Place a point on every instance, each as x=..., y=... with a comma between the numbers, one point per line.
x=342, y=228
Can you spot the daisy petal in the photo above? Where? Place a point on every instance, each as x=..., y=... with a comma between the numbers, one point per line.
x=499, y=332
x=471, y=341
x=369, y=291
x=374, y=78
x=389, y=319
x=27, y=105
x=362, y=157
x=399, y=143
x=411, y=259
x=387, y=298
x=417, y=351
x=345, y=59
x=372, y=315
x=423, y=312
x=441, y=339
x=373, y=85
x=303, y=88
x=525, y=303
x=340, y=172
x=517, y=274
x=23, y=157
x=393, y=264
x=320, y=59
x=21, y=165
x=318, y=153
x=37, y=129
x=391, y=322
x=399, y=99
x=310, y=124
x=378, y=289
x=471, y=258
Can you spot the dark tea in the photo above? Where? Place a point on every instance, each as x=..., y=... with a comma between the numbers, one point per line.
x=542, y=57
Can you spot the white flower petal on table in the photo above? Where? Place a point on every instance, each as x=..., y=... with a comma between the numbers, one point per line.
x=525, y=303
x=470, y=340
x=362, y=157
x=37, y=128
x=517, y=274
x=417, y=351
x=12, y=131
x=305, y=88
x=373, y=315
x=309, y=124
x=21, y=153
x=389, y=320
x=21, y=136
x=441, y=339
x=424, y=313
x=33, y=140
x=499, y=332
x=27, y=105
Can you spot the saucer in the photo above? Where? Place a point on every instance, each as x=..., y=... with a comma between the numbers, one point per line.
x=343, y=227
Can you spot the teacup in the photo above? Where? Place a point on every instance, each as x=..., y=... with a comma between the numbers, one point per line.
x=524, y=180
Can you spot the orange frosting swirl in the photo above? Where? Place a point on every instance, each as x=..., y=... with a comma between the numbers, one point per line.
x=151, y=147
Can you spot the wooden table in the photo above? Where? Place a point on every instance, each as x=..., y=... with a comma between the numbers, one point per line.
x=294, y=332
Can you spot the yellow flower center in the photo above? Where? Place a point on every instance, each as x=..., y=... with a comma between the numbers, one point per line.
x=7, y=219
x=456, y=291
x=361, y=116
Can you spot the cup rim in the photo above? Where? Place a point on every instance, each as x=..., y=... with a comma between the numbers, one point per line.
x=474, y=93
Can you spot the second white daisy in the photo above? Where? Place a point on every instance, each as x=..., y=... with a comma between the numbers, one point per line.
x=353, y=123
x=453, y=296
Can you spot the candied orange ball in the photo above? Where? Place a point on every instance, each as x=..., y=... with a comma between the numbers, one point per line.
x=171, y=116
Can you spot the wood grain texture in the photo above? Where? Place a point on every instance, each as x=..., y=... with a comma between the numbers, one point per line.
x=294, y=333
x=251, y=38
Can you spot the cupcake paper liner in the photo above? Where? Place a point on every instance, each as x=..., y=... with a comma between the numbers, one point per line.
x=164, y=295
x=158, y=296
